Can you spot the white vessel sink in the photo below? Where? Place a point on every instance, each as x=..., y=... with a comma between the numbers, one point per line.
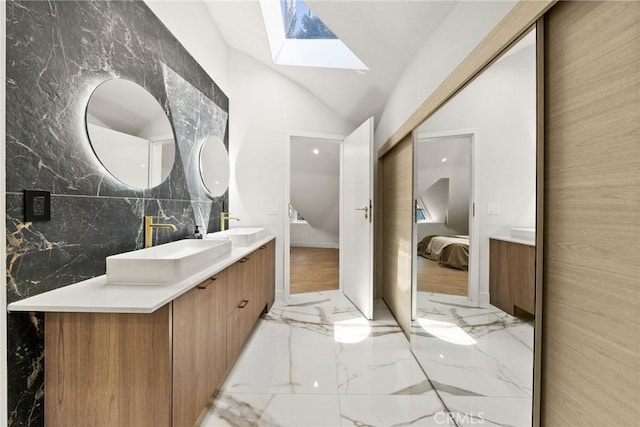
x=164, y=264
x=240, y=236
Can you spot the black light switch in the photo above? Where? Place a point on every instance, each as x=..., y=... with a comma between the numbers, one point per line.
x=37, y=205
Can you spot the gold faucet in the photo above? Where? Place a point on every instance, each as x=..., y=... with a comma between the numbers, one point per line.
x=148, y=230
x=224, y=216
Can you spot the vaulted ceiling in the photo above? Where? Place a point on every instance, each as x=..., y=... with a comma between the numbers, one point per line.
x=384, y=34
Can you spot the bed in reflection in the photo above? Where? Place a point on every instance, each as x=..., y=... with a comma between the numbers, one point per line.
x=442, y=264
x=448, y=251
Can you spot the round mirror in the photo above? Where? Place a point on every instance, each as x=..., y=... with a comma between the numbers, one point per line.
x=130, y=133
x=214, y=166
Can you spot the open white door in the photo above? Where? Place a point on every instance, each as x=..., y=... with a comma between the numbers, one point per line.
x=356, y=222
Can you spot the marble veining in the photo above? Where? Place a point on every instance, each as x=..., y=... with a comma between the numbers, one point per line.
x=317, y=361
x=57, y=53
x=475, y=357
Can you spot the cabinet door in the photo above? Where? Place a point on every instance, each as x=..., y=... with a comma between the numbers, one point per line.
x=271, y=273
x=241, y=278
x=265, y=277
x=108, y=369
x=217, y=325
x=523, y=258
x=260, y=277
x=499, y=286
x=199, y=347
x=191, y=381
x=239, y=325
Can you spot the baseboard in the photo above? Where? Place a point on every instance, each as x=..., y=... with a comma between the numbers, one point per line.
x=484, y=299
x=279, y=295
x=316, y=245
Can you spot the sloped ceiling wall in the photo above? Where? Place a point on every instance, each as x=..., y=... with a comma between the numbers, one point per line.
x=315, y=182
x=430, y=152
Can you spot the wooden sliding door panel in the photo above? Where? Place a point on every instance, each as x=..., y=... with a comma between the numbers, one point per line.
x=591, y=302
x=397, y=232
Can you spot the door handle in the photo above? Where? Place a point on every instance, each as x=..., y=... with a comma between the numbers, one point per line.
x=366, y=211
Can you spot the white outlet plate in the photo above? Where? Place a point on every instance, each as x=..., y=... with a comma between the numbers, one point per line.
x=493, y=209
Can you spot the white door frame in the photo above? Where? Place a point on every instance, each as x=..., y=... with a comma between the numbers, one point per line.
x=473, y=287
x=289, y=135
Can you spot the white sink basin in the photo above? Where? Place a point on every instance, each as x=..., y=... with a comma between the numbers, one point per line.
x=164, y=264
x=240, y=236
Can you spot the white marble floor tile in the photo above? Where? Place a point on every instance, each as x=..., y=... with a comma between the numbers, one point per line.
x=298, y=321
x=237, y=410
x=374, y=411
x=271, y=410
x=379, y=364
x=316, y=361
x=490, y=411
x=285, y=365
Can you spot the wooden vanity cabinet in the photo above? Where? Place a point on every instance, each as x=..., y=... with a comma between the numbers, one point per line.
x=251, y=293
x=108, y=369
x=199, y=347
x=512, y=276
x=157, y=369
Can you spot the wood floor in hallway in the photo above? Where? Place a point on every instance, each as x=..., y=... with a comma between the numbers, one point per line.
x=313, y=269
x=441, y=280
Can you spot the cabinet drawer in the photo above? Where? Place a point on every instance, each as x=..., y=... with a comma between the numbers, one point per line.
x=239, y=324
x=241, y=277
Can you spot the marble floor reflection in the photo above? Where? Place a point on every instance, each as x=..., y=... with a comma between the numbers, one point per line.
x=318, y=362
x=480, y=360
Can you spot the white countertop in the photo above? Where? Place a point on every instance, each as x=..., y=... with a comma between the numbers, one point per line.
x=95, y=296
x=513, y=240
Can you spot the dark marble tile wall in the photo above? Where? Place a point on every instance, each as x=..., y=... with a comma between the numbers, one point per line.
x=57, y=53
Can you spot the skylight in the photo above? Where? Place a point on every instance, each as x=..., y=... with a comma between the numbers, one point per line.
x=301, y=23
x=298, y=37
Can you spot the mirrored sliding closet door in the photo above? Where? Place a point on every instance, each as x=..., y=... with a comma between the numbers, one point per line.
x=475, y=243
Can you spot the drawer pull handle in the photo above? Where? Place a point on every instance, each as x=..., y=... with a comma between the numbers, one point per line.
x=243, y=260
x=213, y=278
x=243, y=303
x=263, y=247
x=204, y=285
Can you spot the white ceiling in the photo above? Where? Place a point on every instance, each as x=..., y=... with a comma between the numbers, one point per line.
x=384, y=34
x=326, y=162
x=431, y=151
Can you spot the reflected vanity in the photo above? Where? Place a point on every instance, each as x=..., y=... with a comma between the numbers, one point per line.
x=130, y=133
x=475, y=190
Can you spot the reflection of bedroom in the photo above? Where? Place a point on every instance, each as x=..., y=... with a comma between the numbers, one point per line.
x=442, y=205
x=314, y=214
x=495, y=118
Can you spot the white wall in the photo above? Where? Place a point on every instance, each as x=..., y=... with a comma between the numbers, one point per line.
x=461, y=31
x=3, y=221
x=315, y=191
x=501, y=105
x=430, y=168
x=304, y=235
x=264, y=107
x=191, y=23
